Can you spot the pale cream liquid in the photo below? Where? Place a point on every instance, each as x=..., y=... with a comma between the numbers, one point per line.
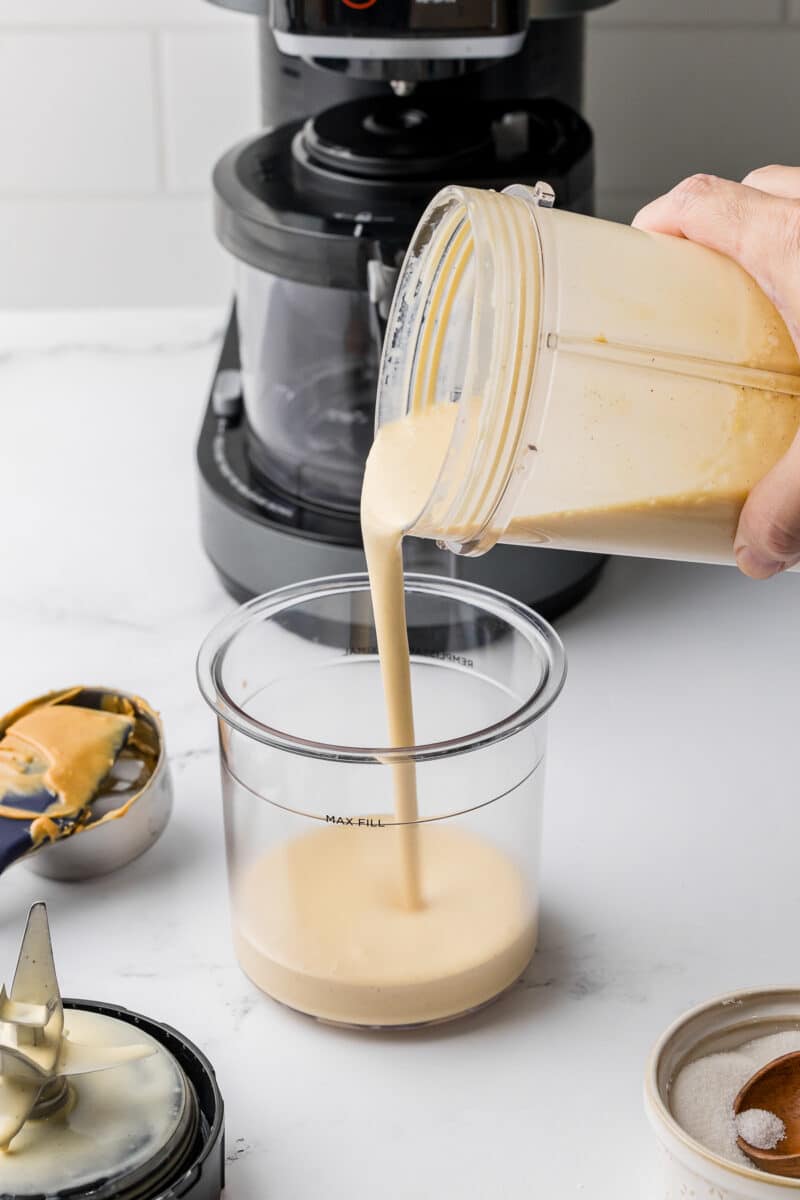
x=602, y=482
x=630, y=470
x=401, y=472
x=115, y=1122
x=652, y=438
x=322, y=927
x=410, y=922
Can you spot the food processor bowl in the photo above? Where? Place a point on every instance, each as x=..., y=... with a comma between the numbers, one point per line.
x=309, y=364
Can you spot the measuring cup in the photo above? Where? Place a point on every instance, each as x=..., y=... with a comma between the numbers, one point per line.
x=612, y=390
x=315, y=853
x=98, y=844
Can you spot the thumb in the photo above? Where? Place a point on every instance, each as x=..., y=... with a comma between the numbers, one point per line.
x=768, y=537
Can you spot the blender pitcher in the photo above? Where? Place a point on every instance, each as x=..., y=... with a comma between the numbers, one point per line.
x=608, y=389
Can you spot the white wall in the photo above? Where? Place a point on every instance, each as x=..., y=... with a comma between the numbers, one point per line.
x=677, y=86
x=111, y=115
x=113, y=111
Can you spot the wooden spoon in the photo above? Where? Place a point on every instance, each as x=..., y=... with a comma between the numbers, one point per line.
x=776, y=1088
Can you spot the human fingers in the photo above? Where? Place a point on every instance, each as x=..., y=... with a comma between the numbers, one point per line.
x=758, y=230
x=761, y=231
x=775, y=179
x=768, y=538
x=736, y=220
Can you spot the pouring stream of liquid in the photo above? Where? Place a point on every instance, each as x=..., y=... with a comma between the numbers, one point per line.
x=401, y=471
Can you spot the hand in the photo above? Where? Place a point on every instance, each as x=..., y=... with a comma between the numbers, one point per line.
x=757, y=223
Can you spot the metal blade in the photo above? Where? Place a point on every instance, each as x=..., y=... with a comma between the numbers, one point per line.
x=77, y=1059
x=35, y=979
x=16, y=1065
x=16, y=1012
x=17, y=1101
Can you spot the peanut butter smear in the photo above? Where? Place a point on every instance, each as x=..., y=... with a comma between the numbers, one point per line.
x=55, y=748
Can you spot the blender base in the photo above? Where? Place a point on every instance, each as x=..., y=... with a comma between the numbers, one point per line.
x=259, y=539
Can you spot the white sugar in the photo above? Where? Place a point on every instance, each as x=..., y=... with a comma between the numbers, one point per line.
x=760, y=1128
x=702, y=1094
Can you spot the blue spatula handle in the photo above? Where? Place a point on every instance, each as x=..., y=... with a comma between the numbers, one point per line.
x=15, y=836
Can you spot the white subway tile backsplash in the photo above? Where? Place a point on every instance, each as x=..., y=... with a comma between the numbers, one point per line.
x=83, y=253
x=48, y=14
x=690, y=12
x=112, y=113
x=667, y=103
x=77, y=113
x=209, y=91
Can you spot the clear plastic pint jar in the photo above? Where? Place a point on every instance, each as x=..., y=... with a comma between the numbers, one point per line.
x=316, y=858
x=611, y=390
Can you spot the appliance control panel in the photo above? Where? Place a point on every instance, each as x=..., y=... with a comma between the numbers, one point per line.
x=393, y=29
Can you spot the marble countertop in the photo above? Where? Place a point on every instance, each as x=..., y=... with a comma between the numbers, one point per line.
x=671, y=831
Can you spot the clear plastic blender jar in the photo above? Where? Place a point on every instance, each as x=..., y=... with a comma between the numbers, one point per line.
x=611, y=390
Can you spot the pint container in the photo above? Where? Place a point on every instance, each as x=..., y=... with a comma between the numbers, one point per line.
x=686, y=1168
x=316, y=856
x=612, y=389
